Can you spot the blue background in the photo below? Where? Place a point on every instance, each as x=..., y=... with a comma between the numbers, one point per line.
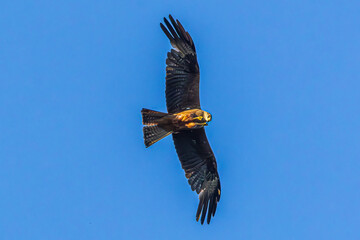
x=281, y=79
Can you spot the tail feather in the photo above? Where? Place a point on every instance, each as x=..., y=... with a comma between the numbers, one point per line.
x=149, y=117
x=152, y=134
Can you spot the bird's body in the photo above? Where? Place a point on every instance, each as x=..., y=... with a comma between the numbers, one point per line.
x=185, y=120
x=189, y=119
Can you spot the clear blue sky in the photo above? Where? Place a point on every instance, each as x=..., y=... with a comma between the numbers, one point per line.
x=281, y=78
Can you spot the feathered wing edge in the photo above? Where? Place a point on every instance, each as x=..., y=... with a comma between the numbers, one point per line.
x=178, y=34
x=208, y=199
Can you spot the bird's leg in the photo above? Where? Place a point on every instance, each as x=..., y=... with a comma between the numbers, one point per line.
x=199, y=118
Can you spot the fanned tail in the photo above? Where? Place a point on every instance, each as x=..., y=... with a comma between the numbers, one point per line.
x=152, y=132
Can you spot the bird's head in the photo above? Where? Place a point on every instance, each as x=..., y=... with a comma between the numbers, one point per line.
x=207, y=116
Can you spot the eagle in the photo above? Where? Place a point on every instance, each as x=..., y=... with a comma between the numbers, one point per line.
x=185, y=120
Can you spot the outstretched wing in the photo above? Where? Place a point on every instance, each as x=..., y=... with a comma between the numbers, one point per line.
x=198, y=161
x=182, y=69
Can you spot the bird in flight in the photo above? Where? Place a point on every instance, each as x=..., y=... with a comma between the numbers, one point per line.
x=185, y=120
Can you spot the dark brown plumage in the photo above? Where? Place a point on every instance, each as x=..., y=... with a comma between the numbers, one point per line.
x=182, y=69
x=183, y=105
